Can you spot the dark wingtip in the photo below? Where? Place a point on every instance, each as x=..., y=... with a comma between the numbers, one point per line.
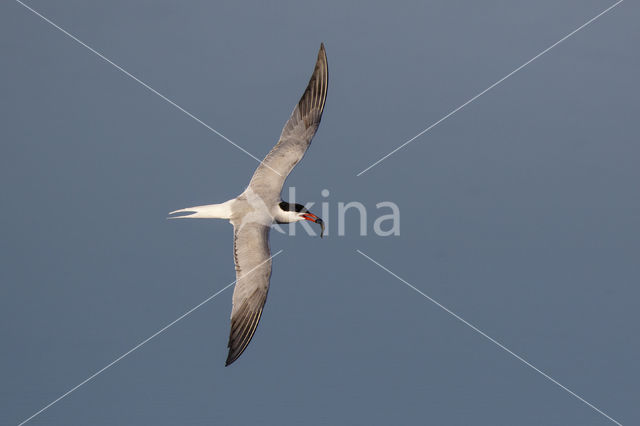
x=243, y=326
x=229, y=359
x=232, y=357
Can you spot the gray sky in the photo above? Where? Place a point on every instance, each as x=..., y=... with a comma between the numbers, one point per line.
x=519, y=213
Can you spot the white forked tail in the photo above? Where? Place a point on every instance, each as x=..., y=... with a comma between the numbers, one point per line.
x=210, y=211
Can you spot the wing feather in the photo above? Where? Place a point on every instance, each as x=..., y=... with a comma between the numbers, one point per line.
x=253, y=271
x=269, y=177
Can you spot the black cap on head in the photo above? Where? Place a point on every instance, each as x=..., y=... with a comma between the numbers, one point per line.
x=292, y=207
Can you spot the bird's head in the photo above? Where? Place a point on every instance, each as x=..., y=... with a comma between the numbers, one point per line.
x=297, y=212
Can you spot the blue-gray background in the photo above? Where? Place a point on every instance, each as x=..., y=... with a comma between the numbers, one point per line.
x=520, y=213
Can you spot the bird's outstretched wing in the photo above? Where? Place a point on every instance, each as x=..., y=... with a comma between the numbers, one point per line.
x=296, y=135
x=253, y=270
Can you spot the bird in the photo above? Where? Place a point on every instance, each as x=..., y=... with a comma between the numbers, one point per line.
x=254, y=211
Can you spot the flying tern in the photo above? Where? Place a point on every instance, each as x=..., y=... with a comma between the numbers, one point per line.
x=254, y=211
